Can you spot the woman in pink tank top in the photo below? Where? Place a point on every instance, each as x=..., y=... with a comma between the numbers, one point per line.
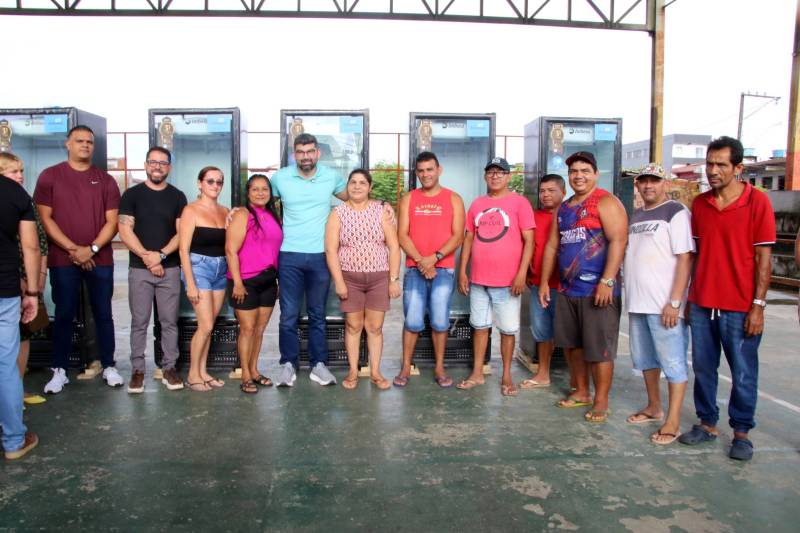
x=252, y=243
x=364, y=259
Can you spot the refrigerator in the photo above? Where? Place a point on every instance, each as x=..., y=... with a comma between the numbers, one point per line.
x=549, y=141
x=199, y=137
x=343, y=139
x=463, y=143
x=37, y=136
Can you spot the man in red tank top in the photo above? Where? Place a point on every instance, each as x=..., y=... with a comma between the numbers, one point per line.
x=430, y=230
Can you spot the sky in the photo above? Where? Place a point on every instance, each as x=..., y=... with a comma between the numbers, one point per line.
x=120, y=67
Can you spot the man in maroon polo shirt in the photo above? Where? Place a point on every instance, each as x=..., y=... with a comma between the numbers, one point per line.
x=734, y=229
x=78, y=205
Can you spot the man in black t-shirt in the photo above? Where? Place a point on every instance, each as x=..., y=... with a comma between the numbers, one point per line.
x=148, y=217
x=16, y=219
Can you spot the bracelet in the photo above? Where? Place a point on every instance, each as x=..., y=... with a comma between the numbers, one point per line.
x=31, y=293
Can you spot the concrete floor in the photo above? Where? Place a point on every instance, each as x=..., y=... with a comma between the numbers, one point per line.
x=420, y=459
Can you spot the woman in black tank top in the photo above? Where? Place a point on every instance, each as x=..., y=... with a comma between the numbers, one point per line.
x=202, y=249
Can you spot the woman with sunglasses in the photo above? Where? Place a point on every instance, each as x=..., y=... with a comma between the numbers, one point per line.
x=252, y=244
x=201, y=233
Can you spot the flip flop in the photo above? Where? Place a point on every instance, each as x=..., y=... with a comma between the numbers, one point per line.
x=443, y=381
x=350, y=384
x=531, y=383
x=382, y=383
x=467, y=384
x=654, y=438
x=400, y=381
x=597, y=416
x=198, y=384
x=644, y=418
x=215, y=383
x=262, y=381
x=508, y=390
x=571, y=403
x=34, y=399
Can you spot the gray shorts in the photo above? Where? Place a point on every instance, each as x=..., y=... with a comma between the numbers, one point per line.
x=581, y=324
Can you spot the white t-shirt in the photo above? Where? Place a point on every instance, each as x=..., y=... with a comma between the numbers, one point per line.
x=655, y=237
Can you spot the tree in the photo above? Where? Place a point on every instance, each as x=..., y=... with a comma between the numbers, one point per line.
x=385, y=176
x=517, y=178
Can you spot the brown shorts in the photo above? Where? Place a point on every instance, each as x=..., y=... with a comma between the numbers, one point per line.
x=581, y=324
x=366, y=290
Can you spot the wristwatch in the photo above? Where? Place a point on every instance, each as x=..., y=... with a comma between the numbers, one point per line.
x=675, y=304
x=394, y=278
x=439, y=256
x=94, y=248
x=162, y=255
x=762, y=303
x=31, y=293
x=608, y=282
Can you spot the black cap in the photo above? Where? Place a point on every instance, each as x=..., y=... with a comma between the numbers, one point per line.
x=498, y=162
x=587, y=157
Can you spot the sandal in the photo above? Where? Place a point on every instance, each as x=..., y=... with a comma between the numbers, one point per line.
x=467, y=384
x=381, y=383
x=215, y=383
x=508, y=390
x=400, y=381
x=263, y=381
x=531, y=383
x=671, y=437
x=597, y=416
x=443, y=381
x=248, y=387
x=193, y=386
x=643, y=418
x=350, y=384
x=571, y=402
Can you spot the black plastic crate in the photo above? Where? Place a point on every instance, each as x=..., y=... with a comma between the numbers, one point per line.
x=222, y=354
x=41, y=355
x=459, y=343
x=334, y=333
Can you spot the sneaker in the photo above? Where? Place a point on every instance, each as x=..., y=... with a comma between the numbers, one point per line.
x=171, y=379
x=92, y=371
x=112, y=377
x=30, y=442
x=322, y=375
x=136, y=384
x=57, y=382
x=287, y=376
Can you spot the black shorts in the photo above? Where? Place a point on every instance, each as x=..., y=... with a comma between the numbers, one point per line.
x=581, y=324
x=262, y=291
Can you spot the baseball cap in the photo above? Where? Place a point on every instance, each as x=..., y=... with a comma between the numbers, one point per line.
x=498, y=162
x=587, y=157
x=652, y=169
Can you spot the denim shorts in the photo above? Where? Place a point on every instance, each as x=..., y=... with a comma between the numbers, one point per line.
x=433, y=296
x=498, y=301
x=541, y=318
x=209, y=272
x=655, y=346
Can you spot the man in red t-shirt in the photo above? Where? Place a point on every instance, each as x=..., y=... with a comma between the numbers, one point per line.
x=552, y=189
x=734, y=229
x=498, y=246
x=78, y=204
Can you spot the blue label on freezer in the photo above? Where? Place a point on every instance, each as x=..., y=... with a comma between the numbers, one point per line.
x=605, y=132
x=219, y=123
x=55, y=123
x=351, y=124
x=477, y=128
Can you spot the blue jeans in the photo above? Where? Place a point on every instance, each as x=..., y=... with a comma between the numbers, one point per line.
x=433, y=296
x=542, y=319
x=66, y=285
x=10, y=382
x=709, y=333
x=303, y=275
x=654, y=345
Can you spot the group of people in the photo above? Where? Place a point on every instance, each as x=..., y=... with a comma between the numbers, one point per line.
x=710, y=264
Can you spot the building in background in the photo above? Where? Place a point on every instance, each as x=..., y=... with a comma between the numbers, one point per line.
x=679, y=149
x=769, y=174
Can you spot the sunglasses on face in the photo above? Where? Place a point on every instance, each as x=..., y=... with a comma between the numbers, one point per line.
x=218, y=183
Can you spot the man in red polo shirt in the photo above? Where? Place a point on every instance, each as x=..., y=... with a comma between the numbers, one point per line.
x=734, y=229
x=552, y=189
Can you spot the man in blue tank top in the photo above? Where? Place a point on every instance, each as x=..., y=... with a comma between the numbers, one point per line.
x=588, y=239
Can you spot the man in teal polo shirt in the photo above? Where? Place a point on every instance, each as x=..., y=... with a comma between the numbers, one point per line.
x=305, y=190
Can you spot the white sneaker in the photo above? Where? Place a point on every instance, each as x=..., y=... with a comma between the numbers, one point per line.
x=57, y=382
x=112, y=377
x=320, y=374
x=287, y=376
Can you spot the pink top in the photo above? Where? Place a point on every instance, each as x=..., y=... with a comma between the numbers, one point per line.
x=497, y=224
x=260, y=248
x=362, y=244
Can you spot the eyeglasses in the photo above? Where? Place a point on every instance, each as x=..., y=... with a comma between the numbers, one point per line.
x=218, y=183
x=300, y=153
x=493, y=173
x=153, y=163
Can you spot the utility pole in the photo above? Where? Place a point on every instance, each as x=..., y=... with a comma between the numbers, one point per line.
x=793, y=144
x=741, y=108
x=657, y=85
